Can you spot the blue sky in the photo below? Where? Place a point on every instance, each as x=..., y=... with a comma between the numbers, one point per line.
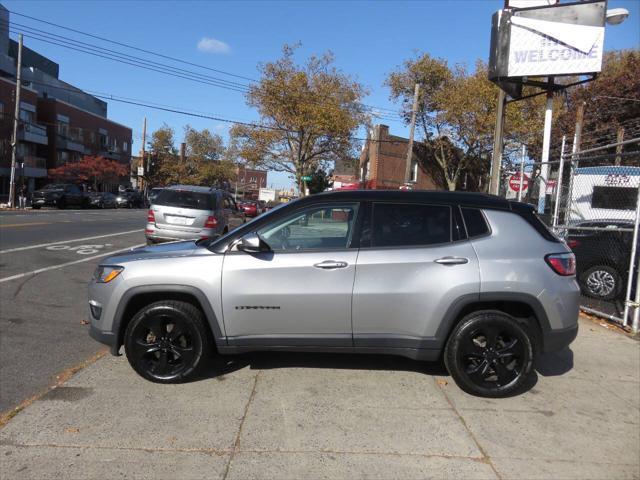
x=369, y=40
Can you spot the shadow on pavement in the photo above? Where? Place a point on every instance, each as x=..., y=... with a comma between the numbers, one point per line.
x=222, y=365
x=555, y=363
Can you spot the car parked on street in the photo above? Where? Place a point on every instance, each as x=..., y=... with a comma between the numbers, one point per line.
x=102, y=200
x=473, y=278
x=603, y=257
x=61, y=195
x=251, y=209
x=129, y=199
x=185, y=212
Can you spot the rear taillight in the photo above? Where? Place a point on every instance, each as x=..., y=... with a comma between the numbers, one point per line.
x=573, y=243
x=151, y=218
x=562, y=263
x=211, y=222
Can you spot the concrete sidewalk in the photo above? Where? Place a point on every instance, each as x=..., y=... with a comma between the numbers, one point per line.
x=337, y=416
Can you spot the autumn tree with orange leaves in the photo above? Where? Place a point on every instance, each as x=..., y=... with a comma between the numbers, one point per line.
x=91, y=169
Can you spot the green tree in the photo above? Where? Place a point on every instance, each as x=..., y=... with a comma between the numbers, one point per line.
x=204, y=162
x=319, y=181
x=308, y=115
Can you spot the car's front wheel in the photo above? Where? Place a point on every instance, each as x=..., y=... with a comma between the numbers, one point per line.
x=166, y=341
x=489, y=354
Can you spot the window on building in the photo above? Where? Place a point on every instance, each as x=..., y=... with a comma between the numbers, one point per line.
x=125, y=147
x=104, y=141
x=1, y=111
x=63, y=129
x=398, y=224
x=26, y=116
x=63, y=157
x=253, y=180
x=414, y=171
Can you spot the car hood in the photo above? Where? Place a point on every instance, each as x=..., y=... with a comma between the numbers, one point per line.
x=165, y=250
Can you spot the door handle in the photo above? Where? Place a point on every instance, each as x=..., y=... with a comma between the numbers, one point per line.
x=452, y=260
x=330, y=265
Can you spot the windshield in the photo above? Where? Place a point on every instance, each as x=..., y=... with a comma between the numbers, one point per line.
x=186, y=199
x=54, y=186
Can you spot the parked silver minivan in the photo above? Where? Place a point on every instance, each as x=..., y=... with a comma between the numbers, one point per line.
x=186, y=212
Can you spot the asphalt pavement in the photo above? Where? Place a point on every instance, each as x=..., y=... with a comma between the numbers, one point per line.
x=46, y=260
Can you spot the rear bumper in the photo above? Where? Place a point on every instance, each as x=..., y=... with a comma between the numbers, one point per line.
x=158, y=235
x=554, y=340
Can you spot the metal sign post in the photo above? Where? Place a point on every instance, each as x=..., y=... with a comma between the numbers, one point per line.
x=559, y=184
x=632, y=262
x=524, y=151
x=546, y=145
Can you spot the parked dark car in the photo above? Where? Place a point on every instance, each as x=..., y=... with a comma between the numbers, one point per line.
x=102, y=200
x=602, y=257
x=59, y=195
x=132, y=199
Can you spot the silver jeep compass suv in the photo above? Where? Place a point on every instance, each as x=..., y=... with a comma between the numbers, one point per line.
x=471, y=277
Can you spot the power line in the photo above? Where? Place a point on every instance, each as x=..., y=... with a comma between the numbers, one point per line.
x=135, y=64
x=97, y=48
x=391, y=112
x=132, y=47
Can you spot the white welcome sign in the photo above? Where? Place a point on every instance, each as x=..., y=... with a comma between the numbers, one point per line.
x=542, y=47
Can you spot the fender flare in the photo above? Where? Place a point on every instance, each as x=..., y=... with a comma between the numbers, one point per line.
x=212, y=320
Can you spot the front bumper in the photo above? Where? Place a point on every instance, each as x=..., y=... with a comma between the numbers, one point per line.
x=554, y=340
x=107, y=338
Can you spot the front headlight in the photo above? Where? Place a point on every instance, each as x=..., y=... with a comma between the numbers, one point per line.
x=106, y=273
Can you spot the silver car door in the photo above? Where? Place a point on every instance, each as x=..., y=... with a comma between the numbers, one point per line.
x=299, y=293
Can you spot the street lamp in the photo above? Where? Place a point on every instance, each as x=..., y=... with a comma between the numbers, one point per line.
x=616, y=16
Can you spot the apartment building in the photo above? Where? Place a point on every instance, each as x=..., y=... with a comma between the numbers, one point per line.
x=58, y=123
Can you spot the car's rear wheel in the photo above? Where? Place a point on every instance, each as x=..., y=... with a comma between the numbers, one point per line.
x=489, y=354
x=602, y=282
x=165, y=341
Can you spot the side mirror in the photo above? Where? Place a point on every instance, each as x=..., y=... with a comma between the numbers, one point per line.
x=251, y=243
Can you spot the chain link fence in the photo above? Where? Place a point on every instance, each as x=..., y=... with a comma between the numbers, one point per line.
x=591, y=199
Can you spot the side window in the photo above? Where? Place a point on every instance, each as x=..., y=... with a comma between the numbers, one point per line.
x=404, y=224
x=315, y=228
x=475, y=222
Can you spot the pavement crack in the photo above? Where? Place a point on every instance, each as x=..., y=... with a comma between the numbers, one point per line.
x=485, y=457
x=22, y=284
x=236, y=444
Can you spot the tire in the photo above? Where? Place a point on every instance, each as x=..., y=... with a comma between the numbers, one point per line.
x=602, y=282
x=35, y=207
x=167, y=359
x=490, y=354
x=62, y=204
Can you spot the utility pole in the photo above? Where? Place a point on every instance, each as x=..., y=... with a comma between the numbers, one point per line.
x=16, y=118
x=407, y=168
x=496, y=159
x=619, y=139
x=144, y=141
x=183, y=149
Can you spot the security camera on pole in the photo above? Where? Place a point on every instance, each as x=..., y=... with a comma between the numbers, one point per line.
x=533, y=42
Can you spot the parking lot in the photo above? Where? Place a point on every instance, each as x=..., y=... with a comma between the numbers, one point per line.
x=337, y=416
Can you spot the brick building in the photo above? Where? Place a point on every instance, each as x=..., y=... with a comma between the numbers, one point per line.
x=248, y=182
x=58, y=123
x=383, y=161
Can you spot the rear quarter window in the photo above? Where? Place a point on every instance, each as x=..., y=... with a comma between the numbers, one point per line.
x=475, y=222
x=185, y=199
x=402, y=224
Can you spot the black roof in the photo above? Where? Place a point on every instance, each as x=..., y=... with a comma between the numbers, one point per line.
x=482, y=200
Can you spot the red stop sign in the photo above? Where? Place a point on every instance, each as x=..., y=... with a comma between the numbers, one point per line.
x=514, y=183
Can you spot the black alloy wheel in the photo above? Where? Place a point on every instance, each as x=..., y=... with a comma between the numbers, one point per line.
x=489, y=354
x=165, y=341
